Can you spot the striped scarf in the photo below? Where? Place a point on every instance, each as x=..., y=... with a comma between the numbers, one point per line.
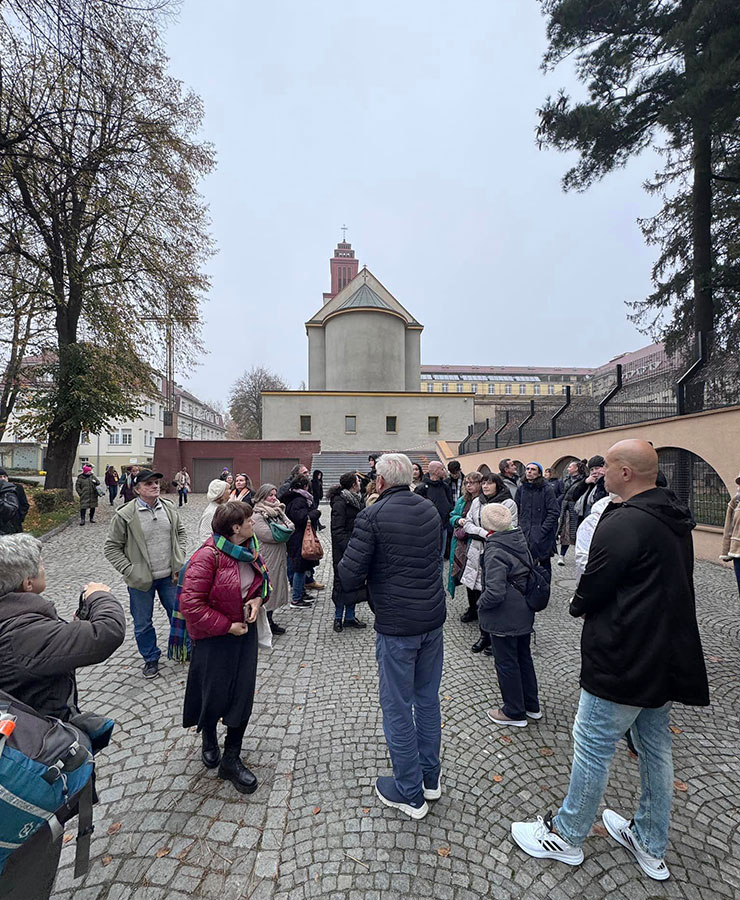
x=179, y=645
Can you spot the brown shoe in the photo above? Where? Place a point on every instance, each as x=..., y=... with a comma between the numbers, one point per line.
x=497, y=716
x=314, y=586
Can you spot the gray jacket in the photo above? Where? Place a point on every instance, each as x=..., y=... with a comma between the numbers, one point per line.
x=125, y=546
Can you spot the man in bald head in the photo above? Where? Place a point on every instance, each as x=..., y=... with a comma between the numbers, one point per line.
x=640, y=653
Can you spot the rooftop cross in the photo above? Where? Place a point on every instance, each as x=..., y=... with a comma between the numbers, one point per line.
x=344, y=233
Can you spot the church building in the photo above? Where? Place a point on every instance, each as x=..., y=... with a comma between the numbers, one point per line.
x=364, y=374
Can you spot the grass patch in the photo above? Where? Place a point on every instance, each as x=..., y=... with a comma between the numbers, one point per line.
x=37, y=522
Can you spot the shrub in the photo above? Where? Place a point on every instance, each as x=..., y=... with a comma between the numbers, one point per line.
x=46, y=501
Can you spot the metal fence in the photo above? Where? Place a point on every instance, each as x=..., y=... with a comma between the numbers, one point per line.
x=696, y=484
x=653, y=387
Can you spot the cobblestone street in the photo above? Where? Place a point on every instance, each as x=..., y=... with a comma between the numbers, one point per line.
x=168, y=828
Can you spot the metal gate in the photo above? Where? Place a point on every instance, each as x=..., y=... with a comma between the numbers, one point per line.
x=275, y=471
x=205, y=470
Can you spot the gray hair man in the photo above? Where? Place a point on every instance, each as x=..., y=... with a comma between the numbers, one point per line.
x=146, y=543
x=39, y=653
x=393, y=549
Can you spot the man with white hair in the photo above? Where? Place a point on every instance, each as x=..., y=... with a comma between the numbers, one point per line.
x=394, y=548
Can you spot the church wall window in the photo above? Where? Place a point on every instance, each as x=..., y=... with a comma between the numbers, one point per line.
x=305, y=427
x=391, y=424
x=350, y=424
x=433, y=424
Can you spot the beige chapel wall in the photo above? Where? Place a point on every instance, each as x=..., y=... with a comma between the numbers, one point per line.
x=712, y=435
x=365, y=351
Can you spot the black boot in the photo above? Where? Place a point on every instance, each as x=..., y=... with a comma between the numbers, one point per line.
x=274, y=627
x=210, y=754
x=483, y=643
x=233, y=769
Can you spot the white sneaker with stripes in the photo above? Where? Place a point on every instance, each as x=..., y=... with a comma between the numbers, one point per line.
x=621, y=830
x=539, y=840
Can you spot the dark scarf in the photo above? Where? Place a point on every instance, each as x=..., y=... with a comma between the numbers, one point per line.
x=352, y=498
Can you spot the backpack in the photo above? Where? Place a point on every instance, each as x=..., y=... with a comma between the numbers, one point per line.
x=46, y=769
x=9, y=506
x=536, y=586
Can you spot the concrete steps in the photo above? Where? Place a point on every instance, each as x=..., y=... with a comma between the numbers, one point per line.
x=334, y=464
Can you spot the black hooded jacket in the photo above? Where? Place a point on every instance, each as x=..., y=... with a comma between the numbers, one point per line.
x=640, y=644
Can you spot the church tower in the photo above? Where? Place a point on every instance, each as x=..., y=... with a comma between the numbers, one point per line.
x=343, y=266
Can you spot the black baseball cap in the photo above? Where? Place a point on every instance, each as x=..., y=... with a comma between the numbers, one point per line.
x=146, y=475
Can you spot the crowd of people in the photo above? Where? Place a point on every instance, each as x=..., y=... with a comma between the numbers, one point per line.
x=392, y=528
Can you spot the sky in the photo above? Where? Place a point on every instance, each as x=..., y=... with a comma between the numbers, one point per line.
x=412, y=123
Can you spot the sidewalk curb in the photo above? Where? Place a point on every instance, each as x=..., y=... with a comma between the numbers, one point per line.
x=58, y=529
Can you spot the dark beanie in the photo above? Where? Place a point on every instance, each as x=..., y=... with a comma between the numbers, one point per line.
x=596, y=461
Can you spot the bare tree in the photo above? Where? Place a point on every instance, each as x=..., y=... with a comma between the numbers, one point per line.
x=245, y=399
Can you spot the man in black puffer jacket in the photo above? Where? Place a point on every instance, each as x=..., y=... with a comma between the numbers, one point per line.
x=394, y=546
x=539, y=512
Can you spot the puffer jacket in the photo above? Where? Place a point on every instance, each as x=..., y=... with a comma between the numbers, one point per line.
x=299, y=510
x=440, y=494
x=538, y=516
x=86, y=489
x=731, y=537
x=395, y=547
x=211, y=598
x=502, y=608
x=343, y=516
x=39, y=651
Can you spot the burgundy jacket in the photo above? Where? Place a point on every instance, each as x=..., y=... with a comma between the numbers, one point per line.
x=211, y=598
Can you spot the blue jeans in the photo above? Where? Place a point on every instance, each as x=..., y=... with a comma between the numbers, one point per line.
x=142, y=608
x=599, y=725
x=516, y=677
x=299, y=585
x=112, y=492
x=348, y=612
x=409, y=671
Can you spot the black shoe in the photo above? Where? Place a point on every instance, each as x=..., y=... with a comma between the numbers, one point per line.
x=488, y=651
x=233, y=769
x=275, y=628
x=354, y=623
x=211, y=755
x=470, y=615
x=481, y=644
x=151, y=669
x=338, y=625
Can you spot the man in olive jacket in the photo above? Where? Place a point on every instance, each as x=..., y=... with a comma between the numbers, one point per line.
x=146, y=543
x=640, y=652
x=39, y=653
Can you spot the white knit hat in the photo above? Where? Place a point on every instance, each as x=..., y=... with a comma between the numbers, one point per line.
x=216, y=489
x=495, y=517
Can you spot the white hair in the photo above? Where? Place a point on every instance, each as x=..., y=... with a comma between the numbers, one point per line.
x=394, y=468
x=20, y=558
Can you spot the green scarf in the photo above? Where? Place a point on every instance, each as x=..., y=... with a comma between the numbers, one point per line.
x=248, y=553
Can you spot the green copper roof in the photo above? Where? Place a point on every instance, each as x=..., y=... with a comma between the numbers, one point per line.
x=364, y=296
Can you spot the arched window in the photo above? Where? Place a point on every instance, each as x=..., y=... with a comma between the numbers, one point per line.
x=696, y=484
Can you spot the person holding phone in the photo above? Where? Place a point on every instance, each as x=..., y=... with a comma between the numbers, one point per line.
x=224, y=587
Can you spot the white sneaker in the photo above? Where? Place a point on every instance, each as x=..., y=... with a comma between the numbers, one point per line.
x=433, y=793
x=621, y=830
x=539, y=840
x=534, y=715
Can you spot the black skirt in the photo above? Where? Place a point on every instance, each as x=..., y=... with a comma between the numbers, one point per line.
x=221, y=680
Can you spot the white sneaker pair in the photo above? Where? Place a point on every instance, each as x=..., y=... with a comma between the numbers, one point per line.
x=538, y=839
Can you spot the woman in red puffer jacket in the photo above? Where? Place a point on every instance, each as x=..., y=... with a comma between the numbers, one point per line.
x=223, y=589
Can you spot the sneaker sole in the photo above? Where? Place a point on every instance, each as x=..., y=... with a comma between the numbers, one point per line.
x=515, y=723
x=656, y=876
x=433, y=793
x=538, y=853
x=536, y=716
x=410, y=811
x=309, y=606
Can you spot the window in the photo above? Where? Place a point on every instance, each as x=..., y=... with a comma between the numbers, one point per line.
x=84, y=437
x=120, y=437
x=579, y=389
x=564, y=389
x=551, y=389
x=305, y=424
x=491, y=388
x=391, y=423
x=430, y=388
x=508, y=389
x=537, y=389
x=445, y=388
x=433, y=424
x=522, y=388
x=350, y=424
x=460, y=387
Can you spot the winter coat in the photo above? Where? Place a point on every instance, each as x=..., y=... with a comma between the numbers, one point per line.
x=275, y=556
x=299, y=509
x=441, y=496
x=395, y=548
x=458, y=548
x=13, y=524
x=557, y=485
x=568, y=524
x=538, y=516
x=86, y=487
x=343, y=515
x=317, y=489
x=502, y=608
x=585, y=533
x=39, y=651
x=640, y=644
x=127, y=488
x=512, y=484
x=182, y=481
x=125, y=547
x=731, y=537
x=211, y=598
x=111, y=478
x=593, y=493
x=472, y=576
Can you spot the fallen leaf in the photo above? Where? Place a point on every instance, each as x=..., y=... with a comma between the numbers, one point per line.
x=546, y=751
x=366, y=809
x=680, y=786
x=316, y=810
x=600, y=830
x=505, y=739
x=443, y=851
x=448, y=698
x=442, y=725
x=163, y=851
x=676, y=730
x=114, y=828
x=107, y=860
x=716, y=658
x=67, y=838
x=498, y=778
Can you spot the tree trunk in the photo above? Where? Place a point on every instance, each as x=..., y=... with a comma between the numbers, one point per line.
x=702, y=227
x=60, y=458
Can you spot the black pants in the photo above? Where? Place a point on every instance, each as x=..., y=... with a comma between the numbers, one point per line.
x=30, y=872
x=234, y=736
x=516, y=676
x=473, y=598
x=82, y=513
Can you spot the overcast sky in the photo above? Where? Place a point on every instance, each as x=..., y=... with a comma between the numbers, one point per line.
x=413, y=123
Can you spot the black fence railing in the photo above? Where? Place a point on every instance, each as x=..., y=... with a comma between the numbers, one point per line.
x=656, y=386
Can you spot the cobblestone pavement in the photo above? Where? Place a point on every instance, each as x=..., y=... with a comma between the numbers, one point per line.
x=168, y=828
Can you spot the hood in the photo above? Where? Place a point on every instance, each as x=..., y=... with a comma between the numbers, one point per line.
x=665, y=506
x=513, y=541
x=334, y=491
x=6, y=486
x=535, y=485
x=600, y=505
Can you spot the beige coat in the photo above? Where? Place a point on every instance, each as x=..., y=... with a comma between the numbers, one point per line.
x=731, y=540
x=275, y=556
